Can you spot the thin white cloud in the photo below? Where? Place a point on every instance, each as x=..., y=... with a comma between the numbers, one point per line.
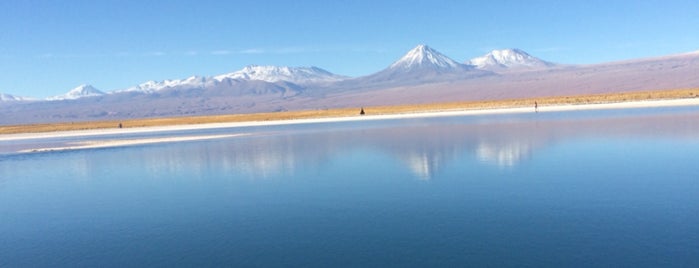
x=61, y=56
x=221, y=52
x=289, y=50
x=283, y=50
x=156, y=54
x=119, y=54
x=252, y=51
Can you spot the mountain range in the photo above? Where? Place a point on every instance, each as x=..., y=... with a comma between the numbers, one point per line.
x=422, y=75
x=419, y=63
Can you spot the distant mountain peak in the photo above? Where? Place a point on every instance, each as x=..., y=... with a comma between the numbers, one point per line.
x=282, y=73
x=421, y=64
x=424, y=56
x=9, y=97
x=154, y=86
x=511, y=58
x=81, y=91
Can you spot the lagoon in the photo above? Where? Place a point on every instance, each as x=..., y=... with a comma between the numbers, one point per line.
x=574, y=188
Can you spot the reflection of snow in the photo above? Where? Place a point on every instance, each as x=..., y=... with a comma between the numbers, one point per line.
x=259, y=159
x=503, y=155
x=422, y=165
x=266, y=161
x=425, y=161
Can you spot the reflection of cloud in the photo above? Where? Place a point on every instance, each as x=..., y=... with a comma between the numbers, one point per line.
x=503, y=155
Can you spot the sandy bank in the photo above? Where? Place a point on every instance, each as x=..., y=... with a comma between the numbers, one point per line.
x=542, y=109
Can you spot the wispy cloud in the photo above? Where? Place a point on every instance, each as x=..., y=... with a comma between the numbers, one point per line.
x=190, y=53
x=117, y=54
x=247, y=51
x=221, y=52
x=252, y=51
x=50, y=55
x=156, y=54
x=290, y=50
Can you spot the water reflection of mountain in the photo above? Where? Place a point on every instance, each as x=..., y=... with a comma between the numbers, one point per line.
x=423, y=165
x=425, y=147
x=503, y=155
x=427, y=150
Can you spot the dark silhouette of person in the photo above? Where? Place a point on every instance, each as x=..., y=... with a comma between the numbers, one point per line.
x=536, y=107
x=362, y=111
x=120, y=126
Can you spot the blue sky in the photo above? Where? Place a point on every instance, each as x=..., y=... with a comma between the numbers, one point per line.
x=49, y=47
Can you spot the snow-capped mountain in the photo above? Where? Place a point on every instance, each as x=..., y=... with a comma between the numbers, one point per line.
x=78, y=92
x=297, y=75
x=424, y=57
x=271, y=74
x=511, y=58
x=8, y=98
x=420, y=65
x=422, y=75
x=154, y=86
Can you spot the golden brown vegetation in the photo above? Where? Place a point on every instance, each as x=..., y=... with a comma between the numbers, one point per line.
x=343, y=112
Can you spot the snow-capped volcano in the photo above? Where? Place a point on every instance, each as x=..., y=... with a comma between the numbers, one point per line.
x=511, y=58
x=422, y=64
x=78, y=92
x=423, y=56
x=298, y=75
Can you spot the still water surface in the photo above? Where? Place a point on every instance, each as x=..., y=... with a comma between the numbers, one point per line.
x=594, y=188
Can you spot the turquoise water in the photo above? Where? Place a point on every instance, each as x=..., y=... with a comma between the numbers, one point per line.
x=596, y=188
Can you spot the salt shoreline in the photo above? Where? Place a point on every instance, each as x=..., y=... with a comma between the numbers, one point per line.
x=128, y=142
x=541, y=109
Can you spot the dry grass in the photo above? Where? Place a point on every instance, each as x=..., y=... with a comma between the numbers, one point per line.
x=473, y=105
